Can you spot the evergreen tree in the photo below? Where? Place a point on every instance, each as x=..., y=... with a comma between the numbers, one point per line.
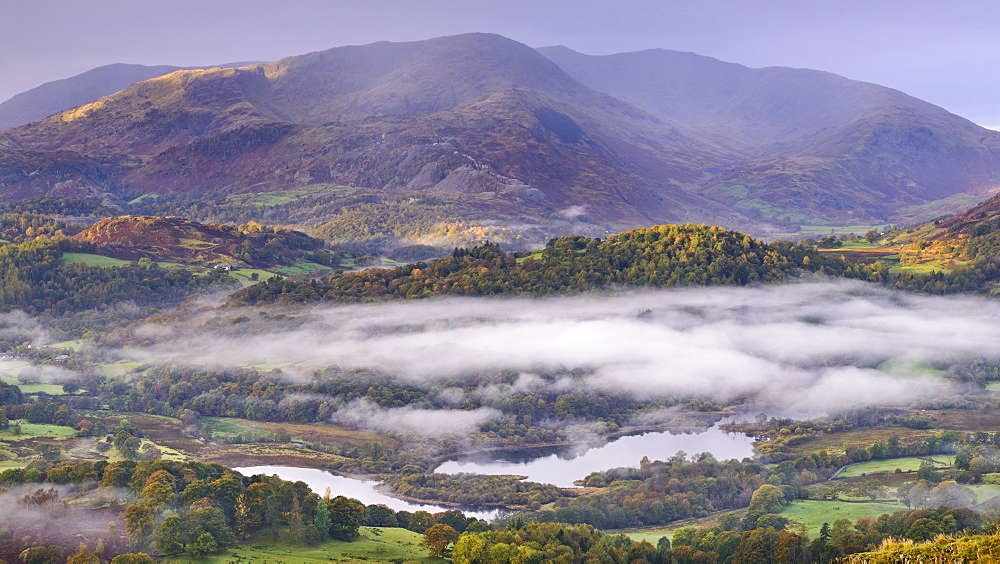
x=322, y=520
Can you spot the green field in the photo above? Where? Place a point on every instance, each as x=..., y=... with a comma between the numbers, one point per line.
x=33, y=388
x=652, y=536
x=12, y=367
x=36, y=429
x=911, y=464
x=376, y=544
x=286, y=196
x=213, y=425
x=267, y=367
x=923, y=268
x=8, y=374
x=301, y=267
x=985, y=492
x=99, y=260
x=118, y=368
x=906, y=368
x=75, y=344
x=813, y=513
x=245, y=275
x=140, y=199
x=92, y=260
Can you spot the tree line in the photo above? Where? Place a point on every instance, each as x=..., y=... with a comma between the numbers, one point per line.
x=661, y=257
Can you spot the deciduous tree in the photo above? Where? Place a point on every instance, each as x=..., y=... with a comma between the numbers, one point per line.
x=439, y=537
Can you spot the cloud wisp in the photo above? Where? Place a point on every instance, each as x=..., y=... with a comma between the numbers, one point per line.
x=364, y=414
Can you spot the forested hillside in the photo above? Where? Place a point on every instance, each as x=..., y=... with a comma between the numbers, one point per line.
x=665, y=256
x=35, y=278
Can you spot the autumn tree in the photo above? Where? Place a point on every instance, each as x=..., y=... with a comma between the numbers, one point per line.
x=130, y=447
x=952, y=495
x=49, y=451
x=244, y=517
x=158, y=490
x=133, y=558
x=138, y=524
x=206, y=518
x=439, y=537
x=83, y=555
x=420, y=521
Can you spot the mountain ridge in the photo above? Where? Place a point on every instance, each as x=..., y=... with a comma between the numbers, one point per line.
x=813, y=128
x=495, y=126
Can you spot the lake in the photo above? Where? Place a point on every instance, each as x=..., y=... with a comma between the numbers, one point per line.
x=566, y=465
x=361, y=490
x=560, y=467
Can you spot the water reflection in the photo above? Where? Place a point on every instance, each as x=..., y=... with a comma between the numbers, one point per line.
x=361, y=490
x=562, y=468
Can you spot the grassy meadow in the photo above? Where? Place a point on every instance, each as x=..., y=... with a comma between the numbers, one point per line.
x=376, y=544
x=891, y=465
x=813, y=513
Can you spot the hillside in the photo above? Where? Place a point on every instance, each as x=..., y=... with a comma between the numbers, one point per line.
x=482, y=129
x=815, y=140
x=59, y=95
x=176, y=239
x=476, y=118
x=976, y=222
x=970, y=237
x=40, y=281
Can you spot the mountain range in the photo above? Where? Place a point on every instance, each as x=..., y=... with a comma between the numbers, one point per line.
x=482, y=128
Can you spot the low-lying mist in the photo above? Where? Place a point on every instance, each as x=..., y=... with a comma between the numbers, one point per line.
x=815, y=346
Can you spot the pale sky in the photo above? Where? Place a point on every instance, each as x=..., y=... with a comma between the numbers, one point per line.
x=947, y=53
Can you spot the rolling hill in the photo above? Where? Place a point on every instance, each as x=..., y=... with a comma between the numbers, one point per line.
x=176, y=239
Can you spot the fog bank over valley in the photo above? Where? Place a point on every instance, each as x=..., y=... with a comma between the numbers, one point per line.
x=817, y=346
